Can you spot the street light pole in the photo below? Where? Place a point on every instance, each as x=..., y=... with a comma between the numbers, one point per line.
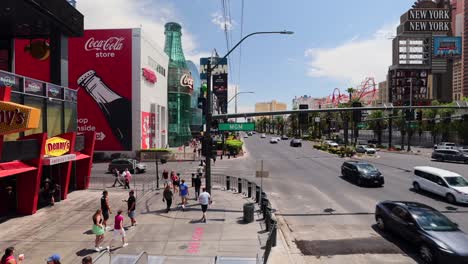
x=209, y=107
x=410, y=115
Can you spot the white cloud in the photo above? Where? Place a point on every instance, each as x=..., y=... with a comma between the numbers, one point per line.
x=148, y=14
x=218, y=19
x=355, y=59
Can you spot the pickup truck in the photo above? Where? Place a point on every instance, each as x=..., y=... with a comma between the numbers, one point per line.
x=445, y=145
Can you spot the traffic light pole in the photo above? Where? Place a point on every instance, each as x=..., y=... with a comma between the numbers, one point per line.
x=411, y=116
x=209, y=119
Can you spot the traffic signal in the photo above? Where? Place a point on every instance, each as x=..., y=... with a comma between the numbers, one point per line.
x=409, y=114
x=357, y=114
x=419, y=115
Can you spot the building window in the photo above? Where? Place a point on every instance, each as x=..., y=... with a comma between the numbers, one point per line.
x=38, y=103
x=70, y=117
x=54, y=118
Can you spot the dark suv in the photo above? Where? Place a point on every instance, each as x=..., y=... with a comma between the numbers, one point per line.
x=362, y=173
x=450, y=155
x=122, y=164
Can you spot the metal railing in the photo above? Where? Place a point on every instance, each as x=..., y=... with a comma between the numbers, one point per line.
x=140, y=183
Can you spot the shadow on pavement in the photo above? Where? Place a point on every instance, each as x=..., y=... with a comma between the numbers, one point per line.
x=362, y=186
x=85, y=252
x=451, y=208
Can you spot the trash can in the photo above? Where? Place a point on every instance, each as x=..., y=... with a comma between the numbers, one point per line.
x=249, y=209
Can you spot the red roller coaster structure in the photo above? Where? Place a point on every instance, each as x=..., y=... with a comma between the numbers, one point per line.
x=367, y=93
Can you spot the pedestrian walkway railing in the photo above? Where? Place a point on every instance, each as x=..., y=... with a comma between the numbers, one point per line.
x=142, y=258
x=140, y=183
x=104, y=257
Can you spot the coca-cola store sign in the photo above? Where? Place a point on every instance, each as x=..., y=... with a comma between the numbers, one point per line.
x=187, y=81
x=104, y=48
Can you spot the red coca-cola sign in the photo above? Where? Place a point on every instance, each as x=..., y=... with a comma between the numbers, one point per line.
x=112, y=43
x=149, y=75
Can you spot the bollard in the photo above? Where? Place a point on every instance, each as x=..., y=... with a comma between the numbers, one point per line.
x=249, y=190
x=228, y=183
x=257, y=194
x=193, y=179
x=274, y=229
x=239, y=185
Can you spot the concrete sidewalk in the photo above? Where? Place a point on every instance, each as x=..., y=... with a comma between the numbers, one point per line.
x=178, y=235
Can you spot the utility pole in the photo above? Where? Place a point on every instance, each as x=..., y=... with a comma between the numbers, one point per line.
x=411, y=116
x=209, y=117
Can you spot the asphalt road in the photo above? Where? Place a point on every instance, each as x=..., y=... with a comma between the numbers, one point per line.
x=326, y=214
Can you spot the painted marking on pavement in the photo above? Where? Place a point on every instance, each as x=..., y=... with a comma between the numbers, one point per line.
x=194, y=244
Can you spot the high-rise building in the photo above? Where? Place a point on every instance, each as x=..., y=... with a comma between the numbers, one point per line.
x=382, y=97
x=311, y=102
x=180, y=87
x=460, y=65
x=270, y=107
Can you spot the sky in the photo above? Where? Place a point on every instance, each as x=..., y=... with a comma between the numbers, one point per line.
x=336, y=44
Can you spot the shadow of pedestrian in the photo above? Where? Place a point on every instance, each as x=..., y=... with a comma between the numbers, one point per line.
x=88, y=232
x=85, y=252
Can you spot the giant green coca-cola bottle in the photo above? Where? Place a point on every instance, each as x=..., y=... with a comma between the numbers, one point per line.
x=180, y=87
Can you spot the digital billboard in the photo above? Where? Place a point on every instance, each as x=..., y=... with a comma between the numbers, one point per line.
x=219, y=84
x=100, y=65
x=447, y=47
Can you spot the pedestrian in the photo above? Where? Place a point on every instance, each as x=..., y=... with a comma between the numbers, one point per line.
x=205, y=200
x=175, y=181
x=127, y=178
x=214, y=158
x=98, y=230
x=197, y=183
x=105, y=208
x=119, y=230
x=9, y=257
x=200, y=169
x=167, y=197
x=87, y=260
x=116, y=174
x=48, y=194
x=131, y=204
x=184, y=193
x=54, y=259
x=165, y=176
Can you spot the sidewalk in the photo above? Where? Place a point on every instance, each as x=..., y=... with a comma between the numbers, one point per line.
x=65, y=229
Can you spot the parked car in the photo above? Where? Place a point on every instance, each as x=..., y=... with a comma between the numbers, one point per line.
x=274, y=140
x=445, y=145
x=438, y=239
x=331, y=143
x=250, y=133
x=122, y=164
x=284, y=137
x=362, y=173
x=445, y=183
x=263, y=135
x=365, y=149
x=450, y=155
x=296, y=142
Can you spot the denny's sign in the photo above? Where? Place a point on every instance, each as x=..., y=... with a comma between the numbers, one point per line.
x=57, y=146
x=17, y=118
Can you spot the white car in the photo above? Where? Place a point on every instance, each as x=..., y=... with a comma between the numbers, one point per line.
x=331, y=143
x=274, y=140
x=263, y=135
x=365, y=149
x=445, y=145
x=445, y=183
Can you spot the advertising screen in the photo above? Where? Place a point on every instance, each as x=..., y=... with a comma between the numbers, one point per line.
x=100, y=65
x=447, y=47
x=220, y=83
x=148, y=130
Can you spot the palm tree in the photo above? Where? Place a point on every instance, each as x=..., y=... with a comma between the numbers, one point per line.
x=377, y=123
x=350, y=91
x=280, y=124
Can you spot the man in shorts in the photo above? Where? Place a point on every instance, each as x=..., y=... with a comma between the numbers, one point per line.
x=131, y=204
x=105, y=208
x=205, y=200
x=119, y=230
x=184, y=193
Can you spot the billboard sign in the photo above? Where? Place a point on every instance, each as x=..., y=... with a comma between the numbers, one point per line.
x=447, y=47
x=57, y=146
x=100, y=64
x=220, y=82
x=148, y=130
x=236, y=126
x=17, y=118
x=427, y=20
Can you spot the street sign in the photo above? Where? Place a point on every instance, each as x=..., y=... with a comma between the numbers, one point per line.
x=413, y=125
x=361, y=125
x=236, y=126
x=317, y=120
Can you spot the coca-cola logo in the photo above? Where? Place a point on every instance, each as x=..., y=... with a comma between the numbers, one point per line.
x=110, y=44
x=187, y=81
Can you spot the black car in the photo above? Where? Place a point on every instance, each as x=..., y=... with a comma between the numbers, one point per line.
x=362, y=173
x=450, y=155
x=122, y=164
x=284, y=137
x=295, y=142
x=438, y=239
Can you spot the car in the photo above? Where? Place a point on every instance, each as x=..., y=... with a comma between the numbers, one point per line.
x=362, y=173
x=122, y=164
x=274, y=140
x=437, y=238
x=445, y=183
x=263, y=135
x=373, y=141
x=250, y=133
x=450, y=155
x=246, y=136
x=284, y=137
x=331, y=143
x=445, y=145
x=253, y=132
x=365, y=149
x=295, y=142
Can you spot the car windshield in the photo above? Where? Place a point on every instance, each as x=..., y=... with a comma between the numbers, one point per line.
x=366, y=168
x=456, y=181
x=364, y=146
x=433, y=221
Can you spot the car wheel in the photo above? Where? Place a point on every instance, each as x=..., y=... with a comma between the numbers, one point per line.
x=416, y=187
x=380, y=223
x=426, y=254
x=451, y=198
x=137, y=170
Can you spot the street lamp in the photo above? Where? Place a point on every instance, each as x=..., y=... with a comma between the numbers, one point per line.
x=235, y=97
x=209, y=108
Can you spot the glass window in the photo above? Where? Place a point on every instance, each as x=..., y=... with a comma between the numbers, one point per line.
x=70, y=117
x=433, y=221
x=15, y=98
x=54, y=118
x=39, y=104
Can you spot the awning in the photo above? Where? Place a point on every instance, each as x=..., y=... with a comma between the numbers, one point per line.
x=14, y=167
x=49, y=161
x=80, y=156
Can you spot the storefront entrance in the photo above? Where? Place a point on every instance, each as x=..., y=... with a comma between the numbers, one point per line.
x=8, y=196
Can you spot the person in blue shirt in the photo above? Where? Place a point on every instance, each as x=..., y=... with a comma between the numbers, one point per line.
x=184, y=193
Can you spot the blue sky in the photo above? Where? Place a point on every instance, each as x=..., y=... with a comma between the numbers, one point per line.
x=336, y=43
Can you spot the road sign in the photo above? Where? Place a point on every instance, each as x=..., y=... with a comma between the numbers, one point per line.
x=361, y=125
x=236, y=126
x=317, y=120
x=413, y=125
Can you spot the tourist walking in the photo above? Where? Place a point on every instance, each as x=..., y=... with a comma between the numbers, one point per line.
x=167, y=197
x=105, y=208
x=175, y=181
x=87, y=260
x=116, y=174
x=165, y=176
x=54, y=259
x=119, y=231
x=131, y=204
x=184, y=193
x=127, y=178
x=98, y=229
x=197, y=182
x=205, y=200
x=9, y=257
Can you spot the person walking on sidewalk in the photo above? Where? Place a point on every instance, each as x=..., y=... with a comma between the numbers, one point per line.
x=119, y=230
x=98, y=230
x=167, y=197
x=9, y=257
x=127, y=178
x=54, y=259
x=205, y=200
x=131, y=204
x=116, y=173
x=184, y=193
x=175, y=181
x=197, y=183
x=165, y=176
x=105, y=208
x=87, y=260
